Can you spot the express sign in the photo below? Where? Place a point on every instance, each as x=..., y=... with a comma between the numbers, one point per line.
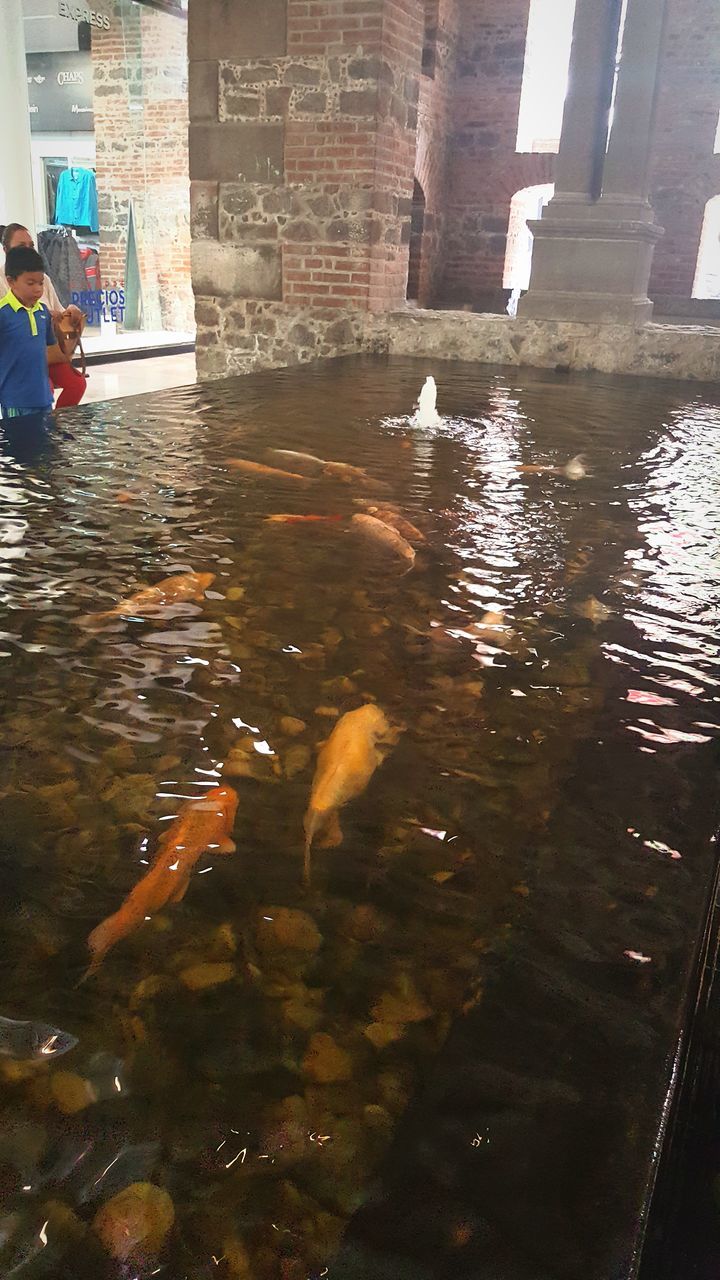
x=79, y=13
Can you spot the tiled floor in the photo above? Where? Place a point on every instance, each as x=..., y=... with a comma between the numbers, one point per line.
x=133, y=377
x=101, y=341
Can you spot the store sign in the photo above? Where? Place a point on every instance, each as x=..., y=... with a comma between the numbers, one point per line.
x=80, y=13
x=101, y=304
x=60, y=92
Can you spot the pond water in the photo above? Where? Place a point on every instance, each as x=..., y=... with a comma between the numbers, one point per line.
x=450, y=1052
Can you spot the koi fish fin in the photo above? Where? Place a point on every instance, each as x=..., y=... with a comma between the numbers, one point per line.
x=226, y=846
x=332, y=834
x=180, y=889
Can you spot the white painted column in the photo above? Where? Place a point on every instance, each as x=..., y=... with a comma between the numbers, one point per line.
x=16, y=188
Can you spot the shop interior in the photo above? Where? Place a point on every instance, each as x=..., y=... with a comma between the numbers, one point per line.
x=108, y=145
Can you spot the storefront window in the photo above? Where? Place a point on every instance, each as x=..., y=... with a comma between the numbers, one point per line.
x=107, y=89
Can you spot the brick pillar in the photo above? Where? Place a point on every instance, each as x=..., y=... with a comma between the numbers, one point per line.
x=302, y=147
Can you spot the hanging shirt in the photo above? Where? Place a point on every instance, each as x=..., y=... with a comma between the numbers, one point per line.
x=25, y=335
x=76, y=202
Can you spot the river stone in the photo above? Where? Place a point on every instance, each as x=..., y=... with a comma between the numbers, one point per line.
x=200, y=976
x=71, y=1093
x=291, y=726
x=285, y=929
x=325, y=1062
x=136, y=1221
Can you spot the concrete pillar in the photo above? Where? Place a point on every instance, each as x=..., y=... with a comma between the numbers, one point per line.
x=592, y=256
x=16, y=189
x=626, y=170
x=587, y=105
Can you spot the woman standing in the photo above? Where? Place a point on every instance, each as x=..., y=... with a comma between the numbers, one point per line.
x=62, y=376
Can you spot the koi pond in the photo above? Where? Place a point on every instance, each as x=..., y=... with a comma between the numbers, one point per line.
x=474, y=689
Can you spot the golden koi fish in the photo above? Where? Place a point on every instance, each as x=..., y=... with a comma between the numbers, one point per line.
x=203, y=824
x=386, y=537
x=390, y=515
x=305, y=462
x=270, y=473
x=174, y=590
x=345, y=765
x=348, y=474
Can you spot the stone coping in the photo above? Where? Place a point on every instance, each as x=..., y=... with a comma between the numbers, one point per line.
x=654, y=350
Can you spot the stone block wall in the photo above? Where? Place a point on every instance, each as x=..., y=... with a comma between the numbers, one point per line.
x=302, y=145
x=140, y=106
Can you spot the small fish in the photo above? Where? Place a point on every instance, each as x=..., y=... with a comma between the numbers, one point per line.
x=26, y=1040
x=305, y=462
x=289, y=519
x=348, y=474
x=202, y=824
x=125, y=496
x=346, y=763
x=174, y=590
x=270, y=473
x=594, y=610
x=573, y=470
x=390, y=515
x=386, y=537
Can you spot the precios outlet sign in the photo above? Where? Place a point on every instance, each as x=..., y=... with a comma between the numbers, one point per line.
x=80, y=13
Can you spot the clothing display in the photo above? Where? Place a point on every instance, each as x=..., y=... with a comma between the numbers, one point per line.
x=76, y=202
x=65, y=266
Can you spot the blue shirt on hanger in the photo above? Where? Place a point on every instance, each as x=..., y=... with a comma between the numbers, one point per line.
x=76, y=202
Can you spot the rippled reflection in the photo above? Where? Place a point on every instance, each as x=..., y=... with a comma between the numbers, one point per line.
x=550, y=668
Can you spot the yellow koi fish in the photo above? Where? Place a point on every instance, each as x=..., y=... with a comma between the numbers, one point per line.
x=345, y=765
x=174, y=590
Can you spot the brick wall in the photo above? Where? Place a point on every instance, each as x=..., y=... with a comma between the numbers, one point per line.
x=310, y=120
x=435, y=126
x=484, y=169
x=302, y=147
x=141, y=116
x=685, y=170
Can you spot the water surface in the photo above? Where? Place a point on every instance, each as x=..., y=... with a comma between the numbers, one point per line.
x=520, y=890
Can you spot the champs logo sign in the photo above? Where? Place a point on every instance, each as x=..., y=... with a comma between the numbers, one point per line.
x=79, y=13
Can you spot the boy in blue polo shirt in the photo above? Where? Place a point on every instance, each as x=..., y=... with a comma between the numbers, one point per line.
x=27, y=339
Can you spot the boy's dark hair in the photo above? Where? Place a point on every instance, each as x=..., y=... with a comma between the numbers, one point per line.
x=20, y=260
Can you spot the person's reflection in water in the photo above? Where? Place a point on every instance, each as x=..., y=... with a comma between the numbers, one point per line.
x=30, y=439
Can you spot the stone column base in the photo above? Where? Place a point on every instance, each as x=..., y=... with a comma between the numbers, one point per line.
x=591, y=268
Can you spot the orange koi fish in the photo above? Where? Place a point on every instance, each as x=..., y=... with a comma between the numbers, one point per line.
x=289, y=519
x=202, y=824
x=174, y=590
